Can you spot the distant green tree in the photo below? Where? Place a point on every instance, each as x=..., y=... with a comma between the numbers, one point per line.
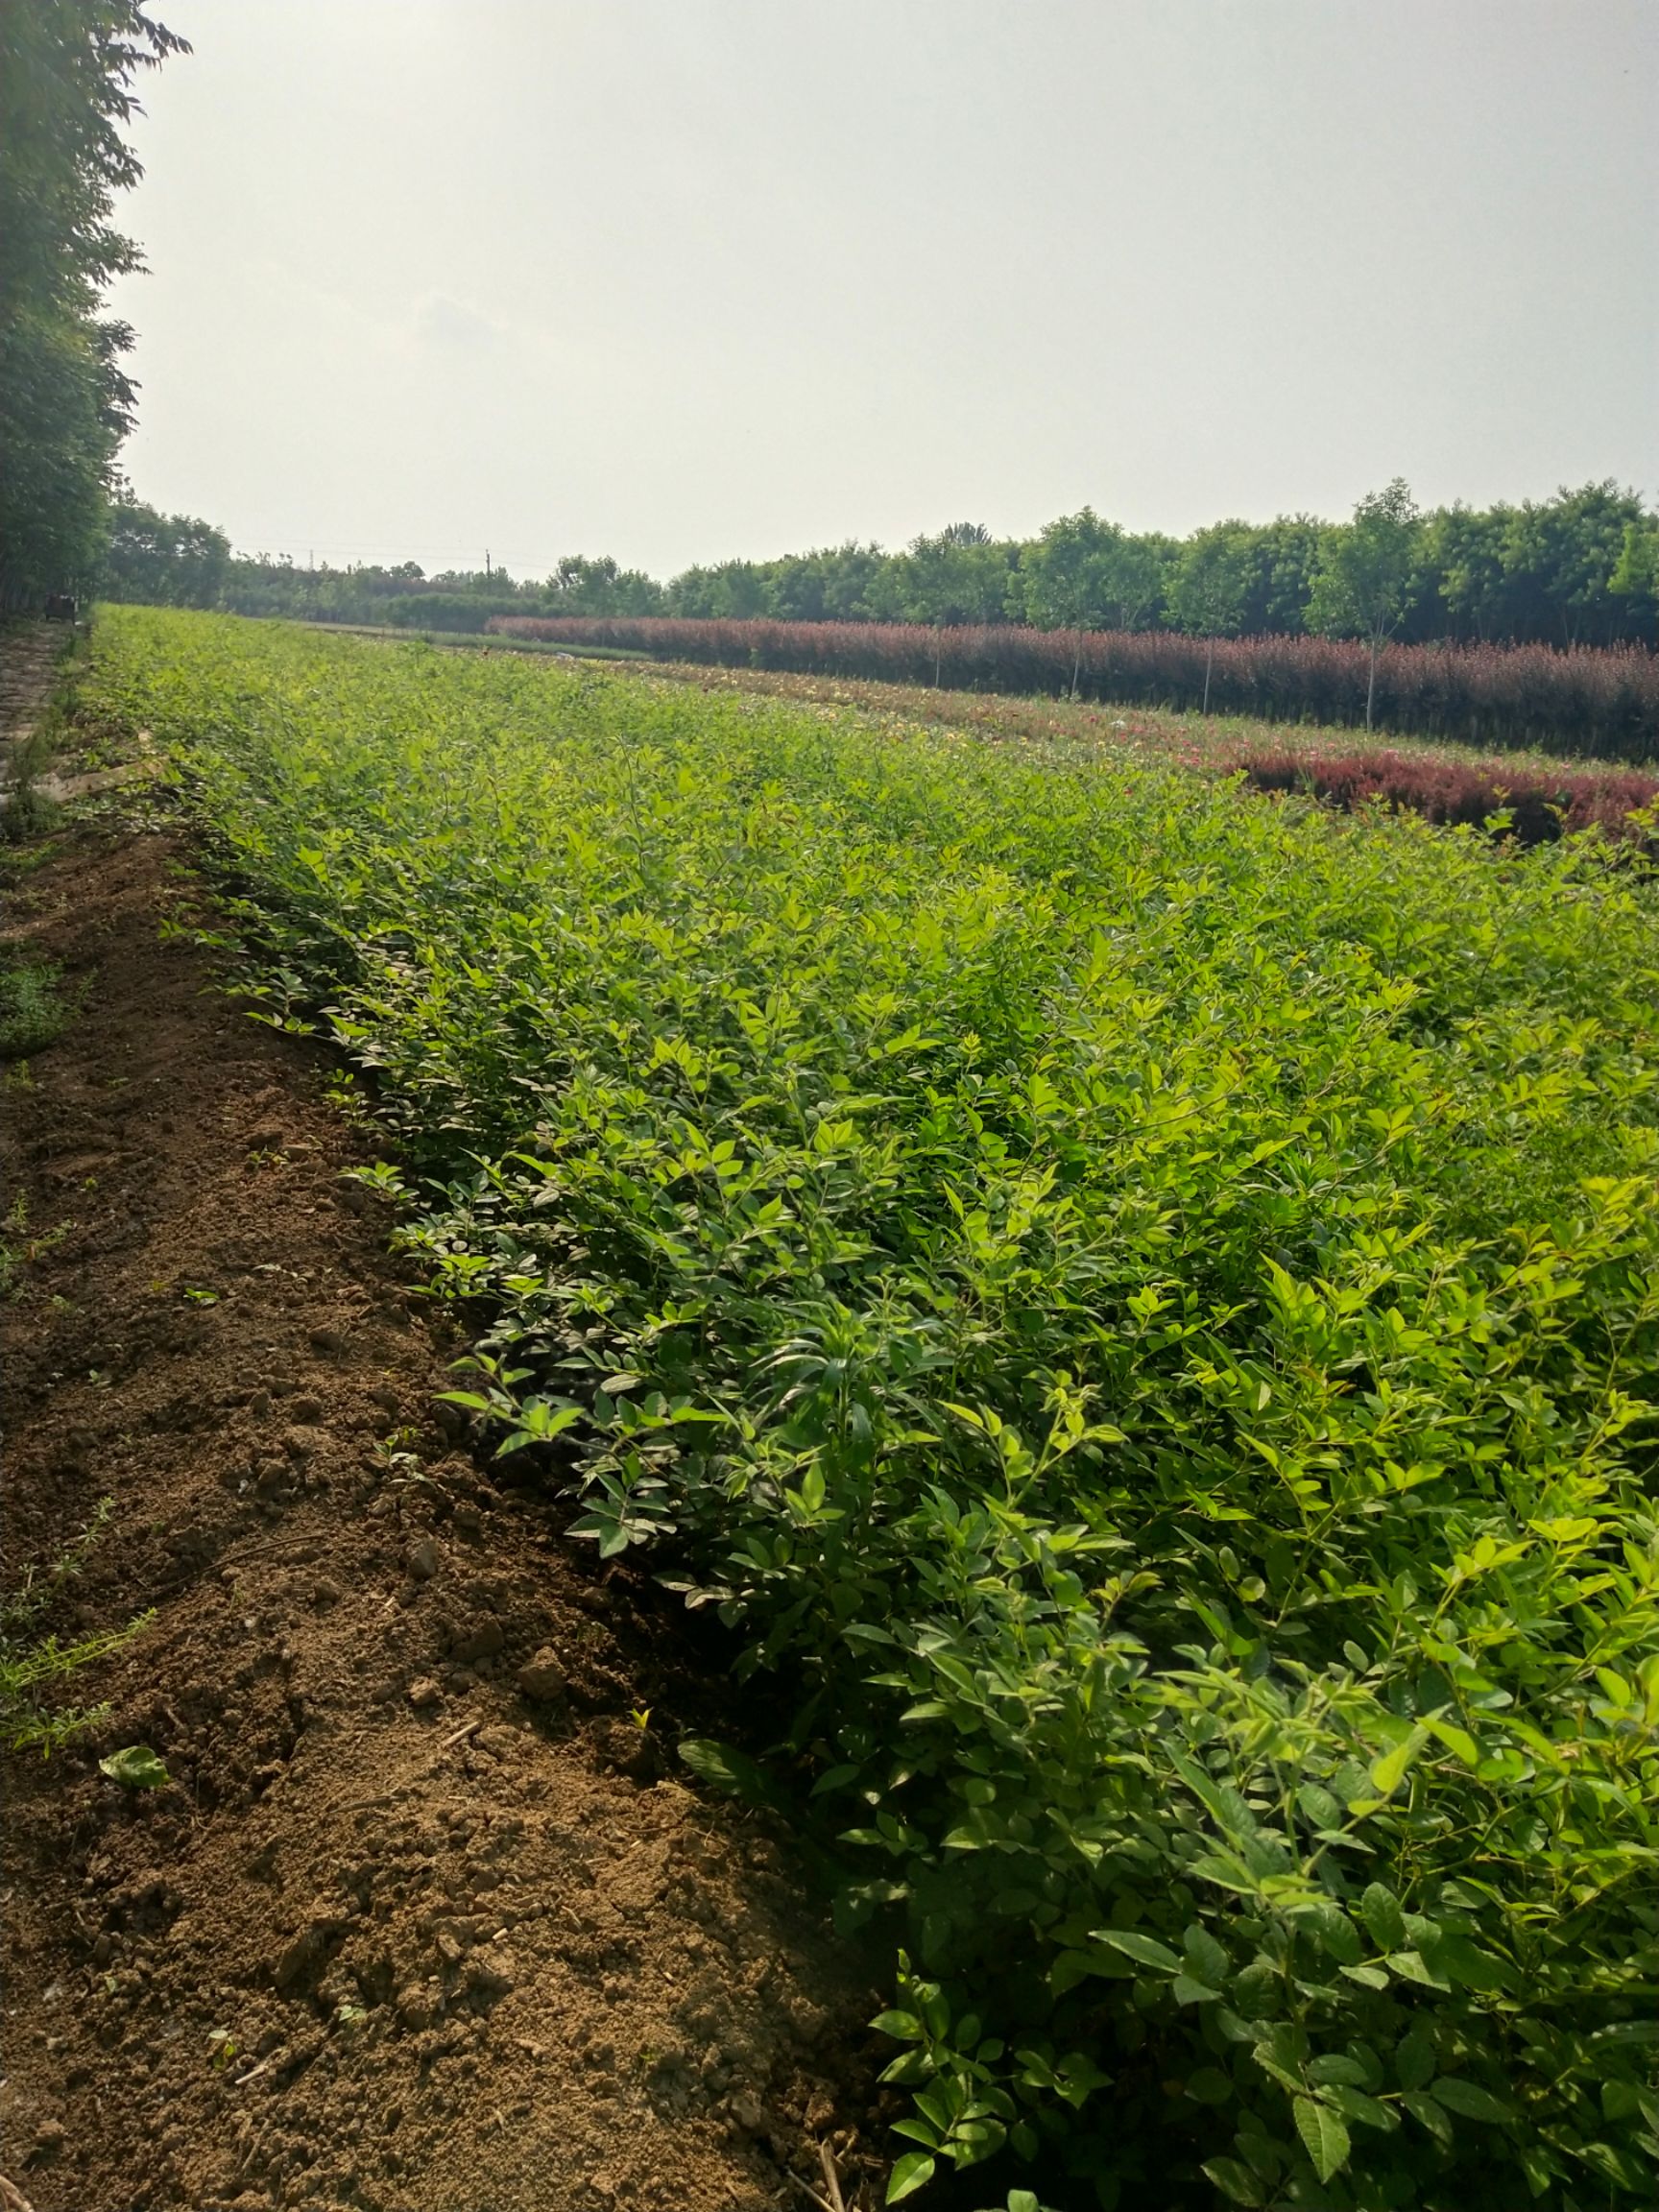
x=1209, y=587
x=1635, y=577
x=580, y=586
x=1083, y=573
x=1561, y=553
x=1065, y=578
x=1363, y=585
x=67, y=68
x=958, y=577
x=730, y=591
x=1284, y=555
x=164, y=560
x=1463, y=551
x=831, y=583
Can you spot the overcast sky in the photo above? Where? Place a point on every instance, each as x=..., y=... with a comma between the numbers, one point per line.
x=675, y=279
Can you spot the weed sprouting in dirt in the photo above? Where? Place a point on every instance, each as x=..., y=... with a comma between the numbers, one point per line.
x=20, y=1246
x=1142, y=1308
x=34, y=1667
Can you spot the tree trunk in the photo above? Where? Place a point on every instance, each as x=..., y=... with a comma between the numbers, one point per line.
x=1208, y=659
x=1371, y=686
x=1077, y=663
x=938, y=651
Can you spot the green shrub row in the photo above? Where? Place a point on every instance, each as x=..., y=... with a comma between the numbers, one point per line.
x=1143, y=1309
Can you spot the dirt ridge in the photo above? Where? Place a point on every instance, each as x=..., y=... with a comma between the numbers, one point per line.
x=423, y=1921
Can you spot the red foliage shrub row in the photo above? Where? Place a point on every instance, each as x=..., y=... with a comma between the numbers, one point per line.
x=1540, y=806
x=1600, y=702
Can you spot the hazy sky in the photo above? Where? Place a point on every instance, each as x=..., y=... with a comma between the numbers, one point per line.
x=675, y=279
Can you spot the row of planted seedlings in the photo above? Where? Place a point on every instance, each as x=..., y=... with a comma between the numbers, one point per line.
x=1142, y=1313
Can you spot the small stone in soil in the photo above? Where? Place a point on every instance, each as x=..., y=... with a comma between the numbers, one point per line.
x=424, y=1693
x=491, y=1971
x=481, y=1642
x=422, y=1559
x=541, y=1677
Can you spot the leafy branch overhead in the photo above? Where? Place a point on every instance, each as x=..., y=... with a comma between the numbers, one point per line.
x=68, y=70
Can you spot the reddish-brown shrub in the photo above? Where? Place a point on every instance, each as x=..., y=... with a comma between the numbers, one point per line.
x=1600, y=703
x=1540, y=804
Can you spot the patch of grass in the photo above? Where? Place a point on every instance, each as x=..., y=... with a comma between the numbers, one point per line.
x=28, y=813
x=19, y=1249
x=33, y=1667
x=34, y=1012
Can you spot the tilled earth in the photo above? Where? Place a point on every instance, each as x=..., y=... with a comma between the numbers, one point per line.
x=423, y=1920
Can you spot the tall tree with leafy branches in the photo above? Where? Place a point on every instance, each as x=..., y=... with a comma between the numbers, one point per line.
x=1084, y=573
x=959, y=576
x=1363, y=585
x=1209, y=587
x=67, y=73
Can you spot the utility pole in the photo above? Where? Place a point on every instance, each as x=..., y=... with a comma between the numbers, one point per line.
x=485, y=564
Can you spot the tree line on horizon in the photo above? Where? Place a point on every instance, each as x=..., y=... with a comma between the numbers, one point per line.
x=1581, y=569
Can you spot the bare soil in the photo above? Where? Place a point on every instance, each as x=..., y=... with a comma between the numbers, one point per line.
x=423, y=1920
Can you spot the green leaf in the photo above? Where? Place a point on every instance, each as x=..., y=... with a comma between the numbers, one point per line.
x=1469, y=2101
x=1208, y=2085
x=1324, y=2136
x=1185, y=1991
x=1380, y=1909
x=135, y=1766
x=1354, y=2104
x=1458, y=1739
x=1414, y=2060
x=1235, y=2182
x=726, y=1769
x=1144, y=1950
x=1205, y=1956
x=1412, y=1966
x=1389, y=1771
x=1334, y=2066
x=1069, y=1969
x=1434, y=2117
x=913, y=2171
x=1462, y=1961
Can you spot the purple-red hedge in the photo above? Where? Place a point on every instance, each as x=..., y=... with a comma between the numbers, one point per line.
x=1601, y=701
x=1540, y=805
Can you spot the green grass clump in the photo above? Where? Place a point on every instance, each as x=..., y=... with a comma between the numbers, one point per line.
x=1143, y=1309
x=34, y=1667
x=32, y=1014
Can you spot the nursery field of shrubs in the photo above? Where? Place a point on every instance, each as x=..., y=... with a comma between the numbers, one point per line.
x=1139, y=1309
x=1601, y=703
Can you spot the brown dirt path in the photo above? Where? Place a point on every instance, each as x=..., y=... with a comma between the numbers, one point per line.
x=29, y=651
x=423, y=1922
